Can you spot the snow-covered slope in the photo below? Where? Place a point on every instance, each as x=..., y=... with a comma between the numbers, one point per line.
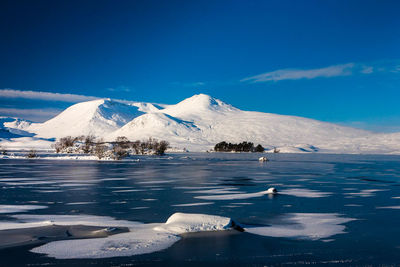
x=199, y=122
x=13, y=127
x=97, y=117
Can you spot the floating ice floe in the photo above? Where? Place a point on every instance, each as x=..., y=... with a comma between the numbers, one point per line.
x=390, y=207
x=365, y=192
x=222, y=190
x=193, y=204
x=303, y=192
x=298, y=192
x=19, y=208
x=270, y=191
x=80, y=203
x=311, y=226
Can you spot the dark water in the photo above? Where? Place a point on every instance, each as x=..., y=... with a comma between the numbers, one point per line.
x=373, y=238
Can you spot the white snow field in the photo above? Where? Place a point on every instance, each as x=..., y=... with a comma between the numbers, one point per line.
x=197, y=124
x=152, y=237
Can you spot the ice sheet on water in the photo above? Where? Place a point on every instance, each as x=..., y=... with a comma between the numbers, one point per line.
x=148, y=238
x=222, y=190
x=193, y=204
x=312, y=226
x=365, y=192
x=304, y=192
x=390, y=207
x=4, y=209
x=233, y=196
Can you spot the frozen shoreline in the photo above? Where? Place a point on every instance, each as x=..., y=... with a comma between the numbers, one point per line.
x=21, y=155
x=84, y=236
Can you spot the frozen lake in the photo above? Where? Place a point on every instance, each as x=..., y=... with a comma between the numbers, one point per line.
x=330, y=209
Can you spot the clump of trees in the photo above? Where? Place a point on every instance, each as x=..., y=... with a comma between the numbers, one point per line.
x=118, y=149
x=31, y=154
x=122, y=147
x=240, y=147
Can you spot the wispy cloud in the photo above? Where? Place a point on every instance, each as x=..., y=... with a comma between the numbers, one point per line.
x=188, y=84
x=11, y=93
x=122, y=88
x=296, y=74
x=37, y=115
x=367, y=69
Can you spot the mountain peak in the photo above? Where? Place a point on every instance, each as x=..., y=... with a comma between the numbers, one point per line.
x=201, y=100
x=199, y=103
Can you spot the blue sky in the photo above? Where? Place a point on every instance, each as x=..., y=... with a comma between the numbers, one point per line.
x=336, y=61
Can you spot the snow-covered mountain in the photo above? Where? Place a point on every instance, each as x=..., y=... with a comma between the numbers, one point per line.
x=199, y=122
x=202, y=121
x=97, y=117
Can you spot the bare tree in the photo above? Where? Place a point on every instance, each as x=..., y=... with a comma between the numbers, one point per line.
x=122, y=141
x=100, y=149
x=142, y=147
x=88, y=144
x=120, y=147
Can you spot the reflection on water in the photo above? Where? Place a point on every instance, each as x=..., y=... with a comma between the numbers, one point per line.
x=348, y=201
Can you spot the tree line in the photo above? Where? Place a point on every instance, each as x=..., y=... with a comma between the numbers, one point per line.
x=120, y=148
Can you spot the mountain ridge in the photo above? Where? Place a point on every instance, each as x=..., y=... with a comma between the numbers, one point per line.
x=201, y=121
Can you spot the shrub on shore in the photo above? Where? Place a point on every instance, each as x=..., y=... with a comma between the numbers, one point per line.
x=31, y=154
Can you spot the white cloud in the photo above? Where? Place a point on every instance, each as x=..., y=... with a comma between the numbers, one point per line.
x=295, y=74
x=37, y=115
x=11, y=93
x=367, y=69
